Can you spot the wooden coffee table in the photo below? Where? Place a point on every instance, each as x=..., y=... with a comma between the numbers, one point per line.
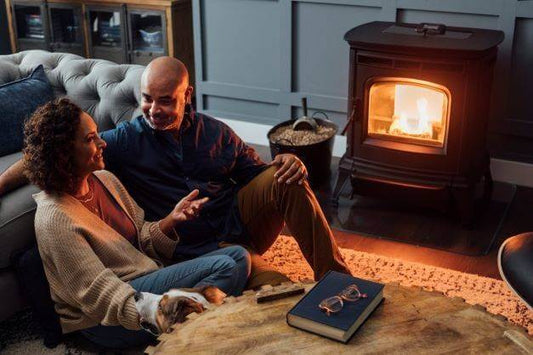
x=409, y=321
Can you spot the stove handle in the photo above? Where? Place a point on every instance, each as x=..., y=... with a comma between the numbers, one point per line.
x=431, y=28
x=354, y=115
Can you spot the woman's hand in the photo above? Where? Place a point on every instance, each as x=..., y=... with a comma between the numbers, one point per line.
x=186, y=209
x=189, y=207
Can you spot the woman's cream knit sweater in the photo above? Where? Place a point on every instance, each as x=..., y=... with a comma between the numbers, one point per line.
x=88, y=263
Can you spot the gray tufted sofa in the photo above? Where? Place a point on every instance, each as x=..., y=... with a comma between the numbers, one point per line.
x=109, y=92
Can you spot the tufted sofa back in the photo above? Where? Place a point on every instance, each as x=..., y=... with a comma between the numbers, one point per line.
x=109, y=92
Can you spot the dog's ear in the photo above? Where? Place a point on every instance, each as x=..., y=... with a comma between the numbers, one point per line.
x=179, y=308
x=163, y=303
x=213, y=294
x=193, y=306
x=184, y=306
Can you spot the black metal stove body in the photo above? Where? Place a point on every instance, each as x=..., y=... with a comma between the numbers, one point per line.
x=418, y=104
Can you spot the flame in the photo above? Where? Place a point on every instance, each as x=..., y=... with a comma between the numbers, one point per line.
x=415, y=111
x=419, y=127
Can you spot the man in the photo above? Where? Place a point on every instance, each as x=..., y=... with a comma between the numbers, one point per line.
x=166, y=153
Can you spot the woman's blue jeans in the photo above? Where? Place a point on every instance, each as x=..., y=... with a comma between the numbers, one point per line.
x=227, y=268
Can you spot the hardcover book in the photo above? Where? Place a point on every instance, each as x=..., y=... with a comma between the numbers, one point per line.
x=347, y=315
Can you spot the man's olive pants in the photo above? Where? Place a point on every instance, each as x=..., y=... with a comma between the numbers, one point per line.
x=264, y=205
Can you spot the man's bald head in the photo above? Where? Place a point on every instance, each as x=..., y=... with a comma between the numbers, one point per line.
x=166, y=69
x=165, y=93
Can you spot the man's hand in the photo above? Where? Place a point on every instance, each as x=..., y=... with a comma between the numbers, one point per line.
x=291, y=169
x=12, y=178
x=188, y=208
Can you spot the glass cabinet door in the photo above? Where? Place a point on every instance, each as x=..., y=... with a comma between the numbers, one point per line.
x=65, y=28
x=106, y=34
x=31, y=25
x=147, y=30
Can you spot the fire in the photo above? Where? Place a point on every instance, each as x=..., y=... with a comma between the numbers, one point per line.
x=420, y=127
x=416, y=111
x=408, y=110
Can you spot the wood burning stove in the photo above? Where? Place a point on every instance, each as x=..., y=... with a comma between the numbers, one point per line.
x=418, y=106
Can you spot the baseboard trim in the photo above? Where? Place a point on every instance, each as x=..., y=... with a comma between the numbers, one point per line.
x=513, y=172
x=502, y=170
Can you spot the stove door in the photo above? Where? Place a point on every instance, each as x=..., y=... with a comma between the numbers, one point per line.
x=411, y=114
x=408, y=111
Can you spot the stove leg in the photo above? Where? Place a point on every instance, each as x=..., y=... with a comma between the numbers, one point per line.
x=464, y=199
x=339, y=185
x=487, y=187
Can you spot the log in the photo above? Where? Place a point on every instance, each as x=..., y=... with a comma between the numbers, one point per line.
x=409, y=321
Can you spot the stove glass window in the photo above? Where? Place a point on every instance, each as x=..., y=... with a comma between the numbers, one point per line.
x=409, y=111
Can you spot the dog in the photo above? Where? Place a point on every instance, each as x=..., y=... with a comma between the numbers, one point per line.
x=159, y=312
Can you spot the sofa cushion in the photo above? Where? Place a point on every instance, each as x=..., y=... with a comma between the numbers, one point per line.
x=17, y=210
x=18, y=100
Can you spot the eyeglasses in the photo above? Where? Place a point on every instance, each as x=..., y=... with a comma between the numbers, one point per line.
x=334, y=304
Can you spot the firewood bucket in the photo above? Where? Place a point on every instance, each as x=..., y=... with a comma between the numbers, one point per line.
x=316, y=156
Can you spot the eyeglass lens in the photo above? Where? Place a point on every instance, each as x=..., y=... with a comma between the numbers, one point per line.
x=351, y=293
x=331, y=304
x=334, y=304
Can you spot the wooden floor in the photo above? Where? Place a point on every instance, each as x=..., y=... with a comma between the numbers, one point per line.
x=519, y=220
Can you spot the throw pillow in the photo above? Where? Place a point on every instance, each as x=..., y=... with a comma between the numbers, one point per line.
x=18, y=100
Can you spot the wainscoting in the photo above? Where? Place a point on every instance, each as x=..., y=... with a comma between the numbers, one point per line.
x=255, y=59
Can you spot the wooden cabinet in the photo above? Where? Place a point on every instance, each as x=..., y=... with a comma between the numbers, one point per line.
x=106, y=32
x=66, y=27
x=148, y=34
x=132, y=31
x=54, y=26
x=29, y=25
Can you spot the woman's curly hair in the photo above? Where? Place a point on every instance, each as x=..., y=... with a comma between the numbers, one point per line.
x=49, y=137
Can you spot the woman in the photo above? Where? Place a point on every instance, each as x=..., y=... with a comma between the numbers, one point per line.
x=96, y=247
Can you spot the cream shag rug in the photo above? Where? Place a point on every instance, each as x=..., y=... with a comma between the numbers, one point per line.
x=491, y=294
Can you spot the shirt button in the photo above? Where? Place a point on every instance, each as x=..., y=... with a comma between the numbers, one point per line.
x=187, y=179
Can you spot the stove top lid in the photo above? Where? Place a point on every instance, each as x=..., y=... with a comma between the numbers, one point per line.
x=423, y=36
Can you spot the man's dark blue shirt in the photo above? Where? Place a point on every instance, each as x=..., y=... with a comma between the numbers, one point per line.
x=158, y=170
